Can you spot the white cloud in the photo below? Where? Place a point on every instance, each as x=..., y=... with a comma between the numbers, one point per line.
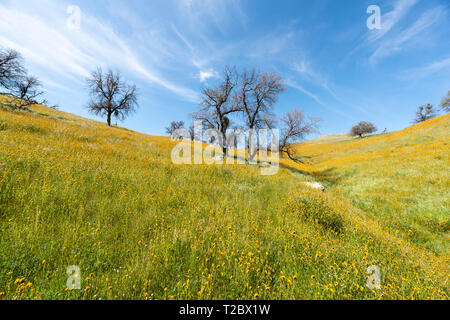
x=205, y=75
x=396, y=43
x=41, y=35
x=388, y=22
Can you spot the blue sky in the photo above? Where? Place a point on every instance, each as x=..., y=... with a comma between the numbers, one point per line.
x=333, y=65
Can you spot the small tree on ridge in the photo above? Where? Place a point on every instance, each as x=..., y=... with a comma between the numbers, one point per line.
x=174, y=125
x=111, y=96
x=362, y=128
x=424, y=113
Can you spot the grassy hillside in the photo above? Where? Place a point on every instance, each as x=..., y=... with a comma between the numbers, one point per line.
x=109, y=200
x=401, y=178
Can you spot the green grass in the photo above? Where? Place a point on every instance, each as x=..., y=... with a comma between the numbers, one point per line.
x=75, y=192
x=401, y=178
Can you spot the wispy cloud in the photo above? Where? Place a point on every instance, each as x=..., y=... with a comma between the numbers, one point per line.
x=438, y=66
x=397, y=42
x=316, y=98
x=388, y=21
x=305, y=70
x=303, y=90
x=275, y=44
x=392, y=18
x=195, y=56
x=72, y=54
x=222, y=13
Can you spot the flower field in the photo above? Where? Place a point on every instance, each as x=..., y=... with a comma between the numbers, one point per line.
x=401, y=178
x=74, y=192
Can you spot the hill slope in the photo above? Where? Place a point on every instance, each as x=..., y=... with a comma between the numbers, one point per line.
x=402, y=178
x=110, y=201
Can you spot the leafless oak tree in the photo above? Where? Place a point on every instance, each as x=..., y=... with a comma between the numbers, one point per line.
x=24, y=89
x=111, y=96
x=11, y=68
x=295, y=126
x=216, y=106
x=27, y=91
x=255, y=97
x=424, y=113
x=174, y=125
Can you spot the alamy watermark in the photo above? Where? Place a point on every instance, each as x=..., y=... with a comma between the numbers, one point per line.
x=235, y=146
x=74, y=20
x=374, y=280
x=374, y=21
x=74, y=280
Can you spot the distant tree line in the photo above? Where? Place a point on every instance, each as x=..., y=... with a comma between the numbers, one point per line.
x=423, y=113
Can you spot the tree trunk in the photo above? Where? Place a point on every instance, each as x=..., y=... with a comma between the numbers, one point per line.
x=251, y=155
x=224, y=144
x=108, y=119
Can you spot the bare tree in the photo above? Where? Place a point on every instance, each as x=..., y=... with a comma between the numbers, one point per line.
x=111, y=96
x=27, y=91
x=174, y=125
x=216, y=106
x=445, y=103
x=195, y=135
x=363, y=127
x=11, y=68
x=257, y=94
x=424, y=113
x=192, y=132
x=24, y=89
x=295, y=126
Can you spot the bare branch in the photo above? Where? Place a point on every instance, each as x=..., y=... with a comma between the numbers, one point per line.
x=11, y=68
x=26, y=92
x=216, y=105
x=424, y=113
x=174, y=125
x=257, y=94
x=295, y=127
x=255, y=97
